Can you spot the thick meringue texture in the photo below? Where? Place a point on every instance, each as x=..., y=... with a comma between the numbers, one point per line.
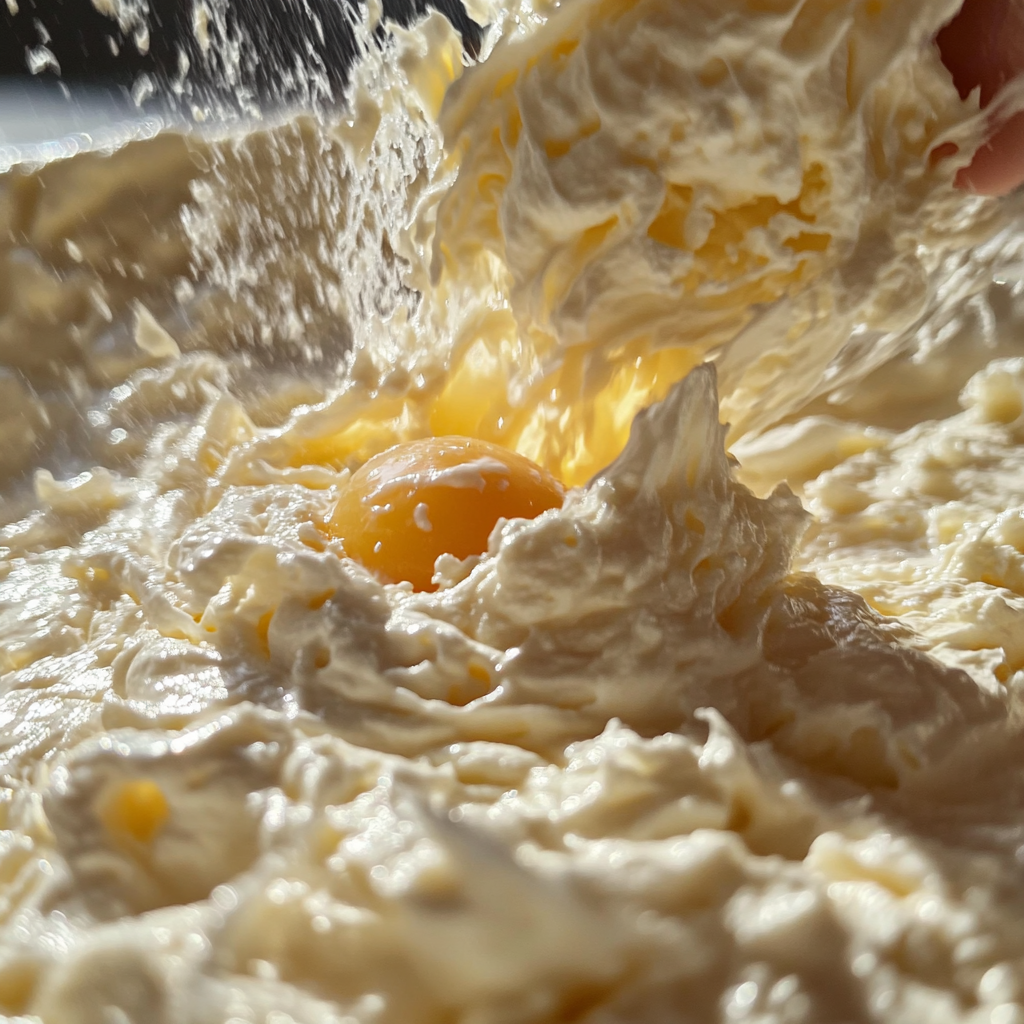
x=621, y=766
x=644, y=184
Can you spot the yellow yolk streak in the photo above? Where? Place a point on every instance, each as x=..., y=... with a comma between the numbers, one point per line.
x=577, y=418
x=135, y=809
x=407, y=506
x=575, y=402
x=625, y=208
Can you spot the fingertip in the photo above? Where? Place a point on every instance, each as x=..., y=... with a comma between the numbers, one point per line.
x=998, y=166
x=983, y=46
x=983, y=49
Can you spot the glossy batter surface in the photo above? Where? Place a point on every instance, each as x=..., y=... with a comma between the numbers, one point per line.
x=685, y=742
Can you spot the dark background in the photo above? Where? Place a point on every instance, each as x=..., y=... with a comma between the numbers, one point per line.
x=279, y=32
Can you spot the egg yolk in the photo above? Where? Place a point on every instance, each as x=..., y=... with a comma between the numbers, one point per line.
x=440, y=495
x=137, y=808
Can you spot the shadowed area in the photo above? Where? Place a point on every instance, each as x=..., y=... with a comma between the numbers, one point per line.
x=280, y=38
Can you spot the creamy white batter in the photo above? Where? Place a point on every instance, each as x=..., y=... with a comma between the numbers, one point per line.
x=677, y=751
